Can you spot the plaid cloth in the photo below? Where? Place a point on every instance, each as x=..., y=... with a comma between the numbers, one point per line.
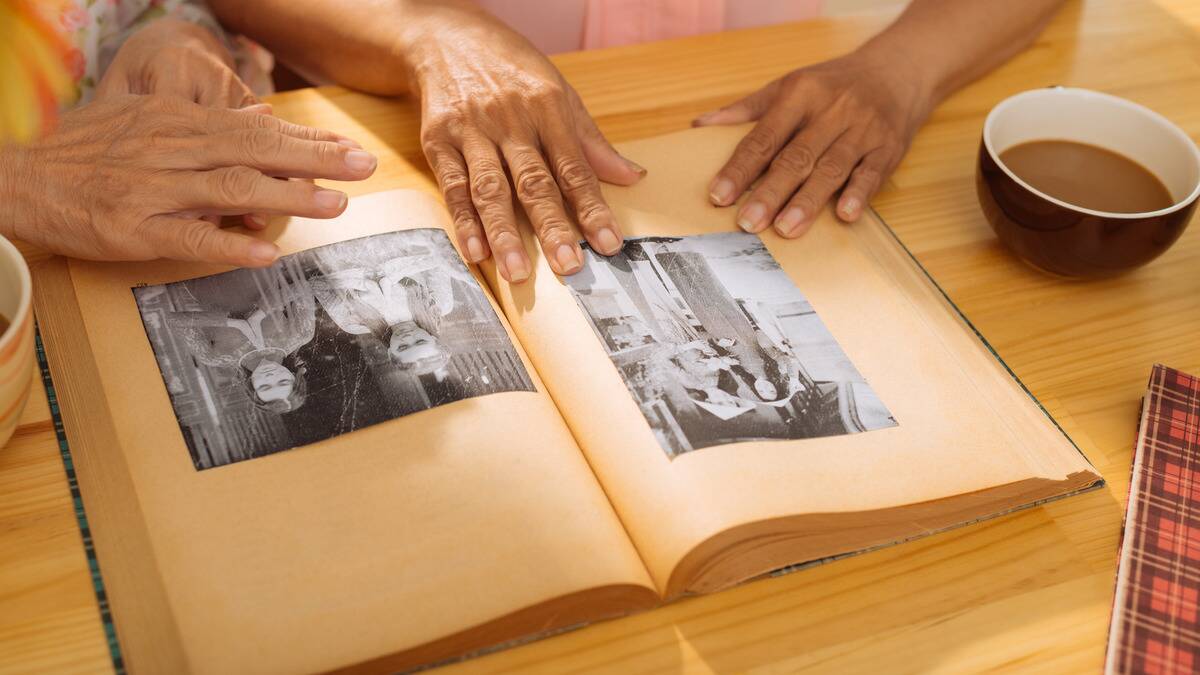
x=1156, y=612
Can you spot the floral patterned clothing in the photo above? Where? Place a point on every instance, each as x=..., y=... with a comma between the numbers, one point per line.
x=96, y=29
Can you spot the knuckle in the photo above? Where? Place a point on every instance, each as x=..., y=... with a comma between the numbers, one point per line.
x=553, y=227
x=738, y=172
x=806, y=202
x=465, y=222
x=236, y=185
x=546, y=93
x=868, y=175
x=329, y=154
x=759, y=144
x=767, y=195
x=575, y=174
x=594, y=215
x=489, y=185
x=262, y=143
x=504, y=238
x=535, y=185
x=196, y=240
x=439, y=127
x=832, y=168
x=455, y=187
x=796, y=159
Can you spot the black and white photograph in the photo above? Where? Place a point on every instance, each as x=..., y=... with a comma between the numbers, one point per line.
x=717, y=345
x=324, y=342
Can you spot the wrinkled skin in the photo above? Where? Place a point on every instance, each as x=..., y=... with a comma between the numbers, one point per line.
x=495, y=107
x=133, y=177
x=170, y=57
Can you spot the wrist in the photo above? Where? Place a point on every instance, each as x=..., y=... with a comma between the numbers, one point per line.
x=905, y=62
x=428, y=29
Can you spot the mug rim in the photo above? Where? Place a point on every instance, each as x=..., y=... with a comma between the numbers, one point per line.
x=1110, y=98
x=25, y=300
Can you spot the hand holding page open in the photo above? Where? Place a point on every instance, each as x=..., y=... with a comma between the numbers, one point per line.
x=704, y=408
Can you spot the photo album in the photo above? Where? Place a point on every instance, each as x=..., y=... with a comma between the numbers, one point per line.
x=372, y=455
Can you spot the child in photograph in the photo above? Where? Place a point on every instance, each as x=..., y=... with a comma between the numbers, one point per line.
x=256, y=329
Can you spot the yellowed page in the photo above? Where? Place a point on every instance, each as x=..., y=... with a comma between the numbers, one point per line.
x=363, y=545
x=956, y=431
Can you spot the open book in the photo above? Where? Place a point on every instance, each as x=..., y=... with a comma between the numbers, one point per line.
x=373, y=455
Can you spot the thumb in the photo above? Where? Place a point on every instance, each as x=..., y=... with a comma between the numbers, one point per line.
x=200, y=240
x=744, y=110
x=610, y=166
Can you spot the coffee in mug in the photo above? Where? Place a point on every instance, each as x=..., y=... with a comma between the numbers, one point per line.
x=1087, y=175
x=1081, y=183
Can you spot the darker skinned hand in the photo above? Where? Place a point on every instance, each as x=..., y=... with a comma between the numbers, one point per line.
x=842, y=125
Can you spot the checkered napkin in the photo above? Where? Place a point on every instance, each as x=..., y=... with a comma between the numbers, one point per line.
x=1156, y=612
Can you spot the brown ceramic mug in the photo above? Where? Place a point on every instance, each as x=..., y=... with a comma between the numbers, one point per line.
x=1070, y=240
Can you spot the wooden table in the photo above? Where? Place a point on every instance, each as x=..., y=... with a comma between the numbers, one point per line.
x=1030, y=591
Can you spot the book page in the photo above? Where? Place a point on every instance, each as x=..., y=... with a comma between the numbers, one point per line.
x=717, y=378
x=346, y=455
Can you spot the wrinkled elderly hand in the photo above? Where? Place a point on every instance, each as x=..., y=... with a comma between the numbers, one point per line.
x=132, y=177
x=494, y=107
x=840, y=125
x=170, y=57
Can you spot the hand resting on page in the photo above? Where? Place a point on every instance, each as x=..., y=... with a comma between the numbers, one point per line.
x=494, y=107
x=134, y=177
x=843, y=126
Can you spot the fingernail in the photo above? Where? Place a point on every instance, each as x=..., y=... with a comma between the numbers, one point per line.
x=258, y=219
x=609, y=242
x=349, y=142
x=330, y=200
x=474, y=249
x=514, y=262
x=637, y=168
x=360, y=160
x=568, y=260
x=721, y=192
x=263, y=252
x=704, y=119
x=850, y=207
x=751, y=217
x=789, y=220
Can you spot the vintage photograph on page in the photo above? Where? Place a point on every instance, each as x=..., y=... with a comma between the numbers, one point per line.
x=324, y=342
x=717, y=345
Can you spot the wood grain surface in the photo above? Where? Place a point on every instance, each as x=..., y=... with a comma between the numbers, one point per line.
x=1027, y=592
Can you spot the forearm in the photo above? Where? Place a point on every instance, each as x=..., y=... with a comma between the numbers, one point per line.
x=368, y=45
x=949, y=43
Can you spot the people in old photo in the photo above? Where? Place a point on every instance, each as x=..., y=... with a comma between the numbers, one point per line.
x=718, y=346
x=253, y=327
x=325, y=342
x=398, y=296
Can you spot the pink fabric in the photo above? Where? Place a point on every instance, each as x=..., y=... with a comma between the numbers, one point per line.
x=566, y=25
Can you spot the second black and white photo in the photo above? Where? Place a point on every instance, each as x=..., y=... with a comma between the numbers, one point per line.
x=717, y=345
